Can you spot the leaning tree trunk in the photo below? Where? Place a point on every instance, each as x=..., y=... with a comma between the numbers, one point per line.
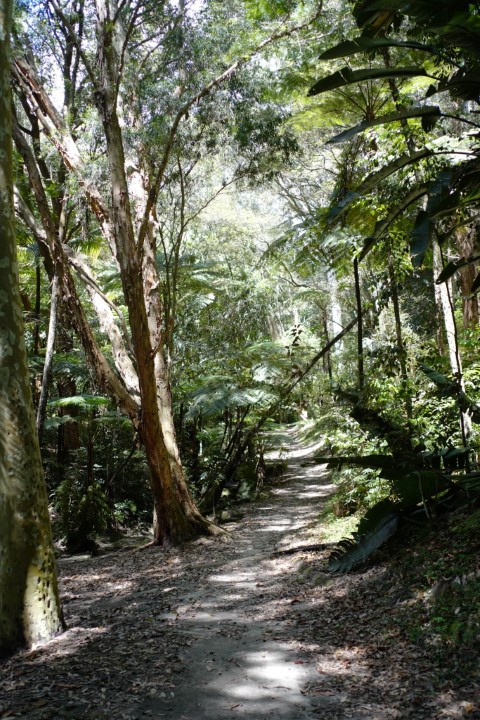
x=29, y=605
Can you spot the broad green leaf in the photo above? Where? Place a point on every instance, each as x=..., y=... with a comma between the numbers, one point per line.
x=449, y=270
x=368, y=44
x=440, y=11
x=346, y=76
x=430, y=110
x=383, y=225
x=420, y=238
x=463, y=31
x=420, y=485
x=371, y=461
x=438, y=378
x=464, y=84
x=372, y=180
x=368, y=243
x=376, y=515
x=454, y=265
x=454, y=202
x=340, y=207
x=438, y=190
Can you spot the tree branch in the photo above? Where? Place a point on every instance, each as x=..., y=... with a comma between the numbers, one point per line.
x=76, y=41
x=155, y=187
x=55, y=128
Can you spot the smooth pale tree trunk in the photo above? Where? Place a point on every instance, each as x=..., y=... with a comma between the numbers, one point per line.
x=399, y=333
x=335, y=321
x=49, y=352
x=444, y=295
x=29, y=606
x=358, y=297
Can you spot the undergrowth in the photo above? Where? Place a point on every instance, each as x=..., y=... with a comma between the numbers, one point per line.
x=438, y=567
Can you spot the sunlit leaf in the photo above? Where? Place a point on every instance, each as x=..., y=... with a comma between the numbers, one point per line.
x=368, y=44
x=346, y=76
x=432, y=111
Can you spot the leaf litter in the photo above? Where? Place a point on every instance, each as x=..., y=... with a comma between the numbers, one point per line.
x=245, y=625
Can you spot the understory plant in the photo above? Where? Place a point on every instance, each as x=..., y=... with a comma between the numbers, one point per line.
x=418, y=481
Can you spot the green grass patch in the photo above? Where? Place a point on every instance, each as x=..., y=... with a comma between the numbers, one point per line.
x=332, y=529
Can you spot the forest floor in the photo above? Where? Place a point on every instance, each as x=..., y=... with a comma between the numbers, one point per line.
x=246, y=625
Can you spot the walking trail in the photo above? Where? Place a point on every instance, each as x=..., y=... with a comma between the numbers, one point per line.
x=246, y=625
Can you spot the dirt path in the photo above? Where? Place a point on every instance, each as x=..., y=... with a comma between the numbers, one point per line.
x=232, y=627
x=242, y=658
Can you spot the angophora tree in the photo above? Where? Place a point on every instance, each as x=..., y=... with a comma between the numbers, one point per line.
x=109, y=55
x=29, y=607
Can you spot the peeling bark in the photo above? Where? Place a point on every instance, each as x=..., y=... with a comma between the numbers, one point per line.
x=141, y=385
x=465, y=239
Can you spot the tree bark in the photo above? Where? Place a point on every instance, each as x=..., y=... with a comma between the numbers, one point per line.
x=358, y=298
x=399, y=333
x=49, y=351
x=131, y=242
x=448, y=310
x=465, y=239
x=29, y=604
x=176, y=518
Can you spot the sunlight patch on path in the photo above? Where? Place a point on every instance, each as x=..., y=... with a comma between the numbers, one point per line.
x=235, y=622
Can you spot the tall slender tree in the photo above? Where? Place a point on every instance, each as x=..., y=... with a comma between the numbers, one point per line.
x=29, y=604
x=111, y=45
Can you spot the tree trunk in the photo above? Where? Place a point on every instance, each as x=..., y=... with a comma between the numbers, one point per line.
x=29, y=604
x=176, y=517
x=446, y=299
x=399, y=333
x=444, y=291
x=358, y=297
x=465, y=239
x=335, y=322
x=49, y=351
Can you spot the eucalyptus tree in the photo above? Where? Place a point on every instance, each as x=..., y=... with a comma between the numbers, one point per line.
x=29, y=604
x=124, y=149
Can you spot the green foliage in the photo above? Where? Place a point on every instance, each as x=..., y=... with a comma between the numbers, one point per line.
x=364, y=44
x=82, y=402
x=82, y=512
x=441, y=564
x=218, y=394
x=430, y=112
x=452, y=388
x=270, y=9
x=346, y=76
x=415, y=483
x=446, y=192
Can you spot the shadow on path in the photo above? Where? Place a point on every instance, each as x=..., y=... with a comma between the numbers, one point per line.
x=245, y=625
x=237, y=661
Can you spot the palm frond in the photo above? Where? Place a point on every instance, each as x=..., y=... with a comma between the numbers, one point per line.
x=375, y=528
